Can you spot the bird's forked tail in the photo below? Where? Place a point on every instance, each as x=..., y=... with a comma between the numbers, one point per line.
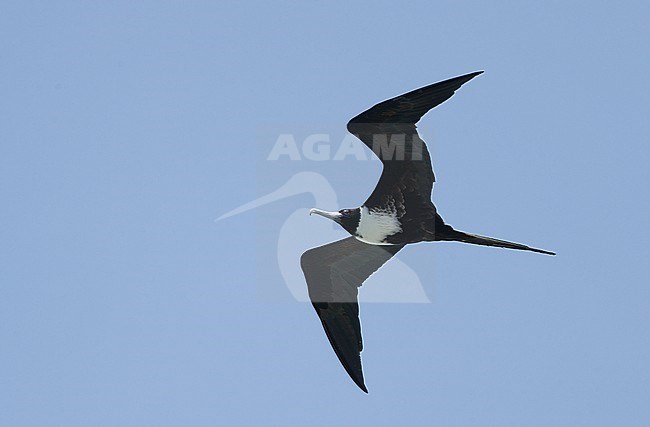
x=475, y=239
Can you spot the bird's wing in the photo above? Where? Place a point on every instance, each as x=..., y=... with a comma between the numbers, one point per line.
x=389, y=130
x=333, y=273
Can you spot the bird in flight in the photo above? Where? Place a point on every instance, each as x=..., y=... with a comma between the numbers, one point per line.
x=398, y=212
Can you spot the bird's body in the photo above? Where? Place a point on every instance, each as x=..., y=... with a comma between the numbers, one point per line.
x=398, y=212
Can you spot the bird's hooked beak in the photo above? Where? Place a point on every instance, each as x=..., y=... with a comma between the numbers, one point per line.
x=331, y=215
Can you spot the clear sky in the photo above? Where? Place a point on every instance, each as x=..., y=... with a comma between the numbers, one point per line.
x=129, y=127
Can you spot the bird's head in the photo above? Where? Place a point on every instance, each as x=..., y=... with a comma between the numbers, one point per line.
x=346, y=218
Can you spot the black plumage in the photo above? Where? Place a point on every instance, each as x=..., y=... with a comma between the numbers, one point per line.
x=398, y=212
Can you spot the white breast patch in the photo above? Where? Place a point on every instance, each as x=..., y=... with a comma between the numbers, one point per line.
x=375, y=226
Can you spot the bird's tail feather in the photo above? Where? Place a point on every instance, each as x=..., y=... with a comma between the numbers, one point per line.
x=460, y=236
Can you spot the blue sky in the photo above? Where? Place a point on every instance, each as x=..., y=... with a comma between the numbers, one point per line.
x=128, y=127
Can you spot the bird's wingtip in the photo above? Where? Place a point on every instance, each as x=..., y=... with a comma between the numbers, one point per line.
x=469, y=76
x=362, y=386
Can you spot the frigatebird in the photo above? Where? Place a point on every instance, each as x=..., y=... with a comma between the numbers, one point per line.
x=398, y=212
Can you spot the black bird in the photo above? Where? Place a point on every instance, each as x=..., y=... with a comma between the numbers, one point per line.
x=398, y=212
